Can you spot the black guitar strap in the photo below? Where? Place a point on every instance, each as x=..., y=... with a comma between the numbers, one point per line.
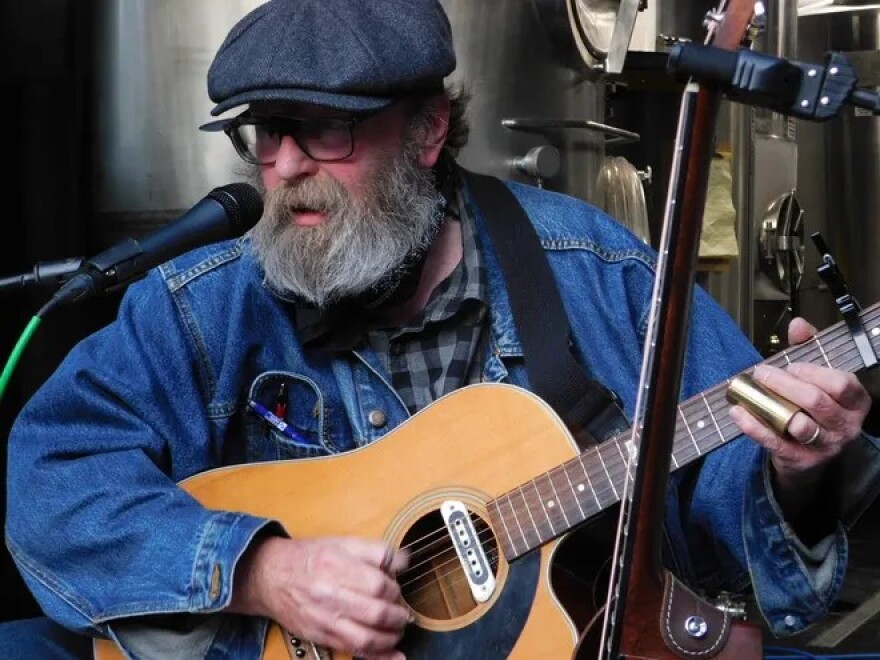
x=584, y=404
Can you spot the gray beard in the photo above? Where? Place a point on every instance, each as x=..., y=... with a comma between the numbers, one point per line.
x=361, y=241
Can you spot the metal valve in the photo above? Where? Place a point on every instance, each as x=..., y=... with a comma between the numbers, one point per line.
x=541, y=163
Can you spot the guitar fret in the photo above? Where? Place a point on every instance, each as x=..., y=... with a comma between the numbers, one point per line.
x=544, y=506
x=522, y=533
x=580, y=461
x=822, y=350
x=500, y=517
x=558, y=499
x=690, y=433
x=577, y=499
x=675, y=464
x=522, y=494
x=620, y=451
x=607, y=474
x=712, y=415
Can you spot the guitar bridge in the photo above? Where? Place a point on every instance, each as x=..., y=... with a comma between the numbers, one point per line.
x=470, y=551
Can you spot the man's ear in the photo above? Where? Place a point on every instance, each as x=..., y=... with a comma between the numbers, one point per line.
x=438, y=109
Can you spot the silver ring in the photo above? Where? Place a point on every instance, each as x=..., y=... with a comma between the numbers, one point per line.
x=813, y=437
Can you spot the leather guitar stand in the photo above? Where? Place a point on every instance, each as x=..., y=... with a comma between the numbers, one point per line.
x=589, y=409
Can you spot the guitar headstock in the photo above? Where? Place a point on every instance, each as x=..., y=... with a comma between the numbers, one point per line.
x=734, y=23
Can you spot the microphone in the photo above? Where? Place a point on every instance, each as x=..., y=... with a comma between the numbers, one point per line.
x=226, y=212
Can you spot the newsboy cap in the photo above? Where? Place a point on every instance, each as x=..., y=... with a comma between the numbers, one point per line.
x=354, y=55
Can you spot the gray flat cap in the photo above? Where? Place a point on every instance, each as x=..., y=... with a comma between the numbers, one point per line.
x=354, y=55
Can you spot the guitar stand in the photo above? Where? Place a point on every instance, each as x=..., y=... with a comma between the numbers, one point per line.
x=849, y=307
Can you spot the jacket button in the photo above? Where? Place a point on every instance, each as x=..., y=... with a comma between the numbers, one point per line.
x=377, y=419
x=216, y=582
x=790, y=621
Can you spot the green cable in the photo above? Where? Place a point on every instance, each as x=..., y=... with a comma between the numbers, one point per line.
x=17, y=352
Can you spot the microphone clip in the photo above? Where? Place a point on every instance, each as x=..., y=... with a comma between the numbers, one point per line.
x=117, y=266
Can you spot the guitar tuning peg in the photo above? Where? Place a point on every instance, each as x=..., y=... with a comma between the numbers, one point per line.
x=713, y=18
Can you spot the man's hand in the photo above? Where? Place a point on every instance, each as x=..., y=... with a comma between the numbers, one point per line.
x=833, y=406
x=335, y=592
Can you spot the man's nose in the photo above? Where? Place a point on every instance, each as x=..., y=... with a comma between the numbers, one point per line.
x=291, y=162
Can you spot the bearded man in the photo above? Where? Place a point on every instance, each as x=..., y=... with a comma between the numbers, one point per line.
x=368, y=290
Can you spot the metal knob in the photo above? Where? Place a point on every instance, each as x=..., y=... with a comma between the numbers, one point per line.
x=541, y=162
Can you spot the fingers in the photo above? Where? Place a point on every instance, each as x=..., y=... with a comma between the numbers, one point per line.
x=804, y=429
x=353, y=564
x=341, y=593
x=799, y=331
x=376, y=554
x=763, y=434
x=358, y=640
x=833, y=405
x=836, y=400
x=367, y=609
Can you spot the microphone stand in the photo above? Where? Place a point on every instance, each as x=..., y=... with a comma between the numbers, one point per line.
x=815, y=92
x=44, y=273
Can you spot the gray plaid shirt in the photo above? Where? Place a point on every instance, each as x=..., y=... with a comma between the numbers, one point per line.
x=439, y=350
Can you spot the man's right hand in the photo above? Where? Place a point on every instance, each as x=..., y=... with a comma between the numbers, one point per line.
x=339, y=593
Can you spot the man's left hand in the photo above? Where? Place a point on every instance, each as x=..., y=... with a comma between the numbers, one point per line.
x=833, y=405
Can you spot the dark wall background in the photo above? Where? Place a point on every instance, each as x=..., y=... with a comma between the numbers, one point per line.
x=44, y=88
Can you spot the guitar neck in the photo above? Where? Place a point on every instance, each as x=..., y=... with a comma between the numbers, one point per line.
x=555, y=502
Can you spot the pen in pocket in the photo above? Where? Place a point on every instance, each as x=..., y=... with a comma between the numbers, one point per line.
x=277, y=423
x=281, y=401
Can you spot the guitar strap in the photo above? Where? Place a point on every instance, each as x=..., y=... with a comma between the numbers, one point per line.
x=585, y=405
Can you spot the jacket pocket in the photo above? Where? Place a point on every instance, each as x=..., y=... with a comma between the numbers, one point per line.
x=299, y=404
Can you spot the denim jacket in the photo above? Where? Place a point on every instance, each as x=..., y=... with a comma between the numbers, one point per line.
x=101, y=532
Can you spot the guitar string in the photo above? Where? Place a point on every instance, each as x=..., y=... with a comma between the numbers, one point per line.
x=444, y=577
x=716, y=395
x=492, y=556
x=484, y=533
x=831, y=349
x=567, y=501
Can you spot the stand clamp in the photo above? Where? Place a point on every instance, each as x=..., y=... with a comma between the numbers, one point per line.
x=849, y=308
x=797, y=89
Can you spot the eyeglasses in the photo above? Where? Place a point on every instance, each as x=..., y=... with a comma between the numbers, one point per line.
x=257, y=139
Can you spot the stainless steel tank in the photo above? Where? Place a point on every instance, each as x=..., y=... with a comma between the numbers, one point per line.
x=515, y=58
x=839, y=166
x=760, y=286
x=150, y=96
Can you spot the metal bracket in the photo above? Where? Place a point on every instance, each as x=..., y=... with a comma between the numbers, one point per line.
x=849, y=307
x=617, y=135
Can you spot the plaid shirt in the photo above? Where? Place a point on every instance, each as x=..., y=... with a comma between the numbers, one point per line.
x=439, y=350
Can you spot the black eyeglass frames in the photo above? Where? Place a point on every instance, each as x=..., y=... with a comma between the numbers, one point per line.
x=258, y=139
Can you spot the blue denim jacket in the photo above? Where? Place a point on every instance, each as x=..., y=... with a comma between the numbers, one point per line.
x=100, y=531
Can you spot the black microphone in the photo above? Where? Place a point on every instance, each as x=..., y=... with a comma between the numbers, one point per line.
x=226, y=212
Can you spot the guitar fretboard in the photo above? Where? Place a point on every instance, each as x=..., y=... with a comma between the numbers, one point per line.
x=556, y=501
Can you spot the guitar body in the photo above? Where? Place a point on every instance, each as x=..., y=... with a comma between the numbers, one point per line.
x=469, y=447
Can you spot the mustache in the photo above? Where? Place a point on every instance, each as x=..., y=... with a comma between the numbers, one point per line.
x=325, y=195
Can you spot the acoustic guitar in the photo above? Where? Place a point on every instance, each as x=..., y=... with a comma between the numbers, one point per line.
x=480, y=486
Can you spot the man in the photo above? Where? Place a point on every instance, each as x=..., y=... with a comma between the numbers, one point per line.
x=368, y=289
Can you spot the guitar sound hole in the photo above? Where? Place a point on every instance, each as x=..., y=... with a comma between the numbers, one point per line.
x=435, y=585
